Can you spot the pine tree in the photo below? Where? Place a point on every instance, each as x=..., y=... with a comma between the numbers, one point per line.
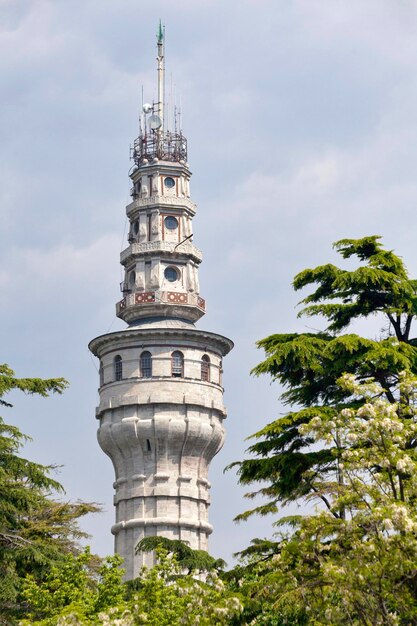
x=37, y=530
x=308, y=366
x=189, y=559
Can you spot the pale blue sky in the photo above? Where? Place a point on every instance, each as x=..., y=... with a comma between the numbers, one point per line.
x=302, y=128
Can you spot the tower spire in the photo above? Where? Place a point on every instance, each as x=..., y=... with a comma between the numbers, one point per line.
x=161, y=73
x=157, y=140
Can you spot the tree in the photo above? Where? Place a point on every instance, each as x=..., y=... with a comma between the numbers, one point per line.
x=189, y=559
x=167, y=597
x=78, y=588
x=359, y=568
x=308, y=366
x=164, y=596
x=36, y=530
x=39, y=386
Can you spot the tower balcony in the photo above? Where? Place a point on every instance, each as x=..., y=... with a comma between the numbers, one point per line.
x=163, y=201
x=160, y=247
x=134, y=306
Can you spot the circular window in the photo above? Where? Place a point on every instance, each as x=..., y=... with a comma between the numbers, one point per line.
x=171, y=274
x=171, y=222
x=169, y=182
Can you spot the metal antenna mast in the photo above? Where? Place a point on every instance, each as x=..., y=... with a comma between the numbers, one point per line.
x=156, y=138
x=161, y=75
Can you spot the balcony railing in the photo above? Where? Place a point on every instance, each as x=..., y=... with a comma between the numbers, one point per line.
x=184, y=248
x=165, y=146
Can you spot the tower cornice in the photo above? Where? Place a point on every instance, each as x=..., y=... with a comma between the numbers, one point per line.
x=171, y=167
x=149, y=335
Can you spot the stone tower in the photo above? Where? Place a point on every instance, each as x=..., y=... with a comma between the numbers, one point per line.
x=161, y=397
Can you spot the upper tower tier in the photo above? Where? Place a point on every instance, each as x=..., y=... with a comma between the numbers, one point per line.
x=161, y=262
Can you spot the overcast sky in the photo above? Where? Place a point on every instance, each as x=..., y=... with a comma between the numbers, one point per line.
x=301, y=119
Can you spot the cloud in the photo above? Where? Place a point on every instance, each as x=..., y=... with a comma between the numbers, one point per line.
x=302, y=129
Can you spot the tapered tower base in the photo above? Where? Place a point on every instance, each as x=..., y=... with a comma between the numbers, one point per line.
x=161, y=431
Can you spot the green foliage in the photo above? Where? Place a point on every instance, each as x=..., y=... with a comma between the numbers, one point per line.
x=36, y=531
x=168, y=598
x=189, y=559
x=39, y=386
x=164, y=597
x=359, y=567
x=381, y=285
x=77, y=587
x=308, y=366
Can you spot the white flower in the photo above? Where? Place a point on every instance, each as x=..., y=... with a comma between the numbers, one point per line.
x=385, y=463
x=405, y=464
x=367, y=410
x=401, y=465
x=351, y=437
x=315, y=422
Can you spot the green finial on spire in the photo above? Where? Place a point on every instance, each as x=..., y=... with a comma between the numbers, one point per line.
x=160, y=34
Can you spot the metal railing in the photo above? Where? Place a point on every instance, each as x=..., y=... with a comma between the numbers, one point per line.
x=166, y=146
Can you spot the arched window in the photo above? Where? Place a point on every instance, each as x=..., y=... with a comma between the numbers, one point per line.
x=118, y=367
x=177, y=364
x=146, y=365
x=221, y=373
x=101, y=373
x=205, y=368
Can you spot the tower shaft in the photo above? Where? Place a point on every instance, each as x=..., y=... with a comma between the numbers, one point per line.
x=161, y=425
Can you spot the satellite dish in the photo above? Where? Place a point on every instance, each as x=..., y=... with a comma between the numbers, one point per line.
x=155, y=122
x=147, y=108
